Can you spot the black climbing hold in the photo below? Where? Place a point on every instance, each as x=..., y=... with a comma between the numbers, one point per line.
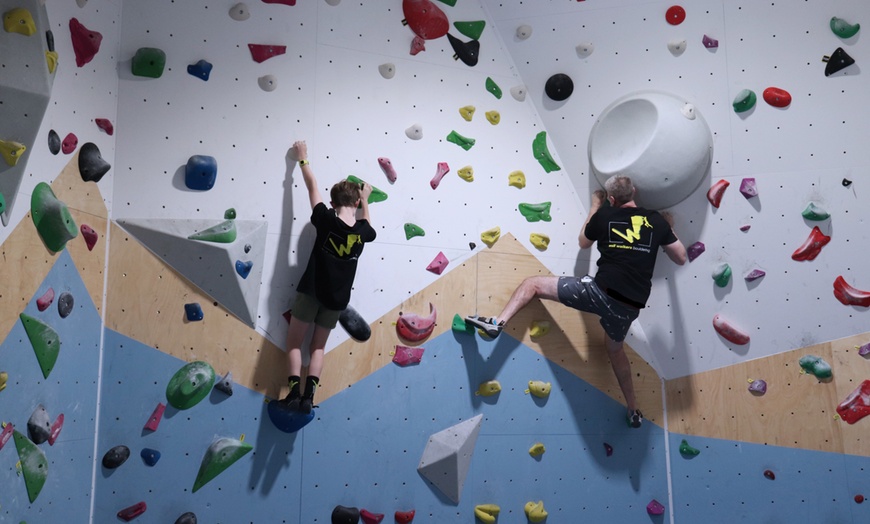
x=187, y=518
x=116, y=456
x=91, y=164
x=838, y=60
x=247, y=248
x=53, y=142
x=559, y=87
x=39, y=425
x=472, y=245
x=49, y=40
x=65, y=303
x=225, y=385
x=345, y=515
x=465, y=51
x=847, y=182
x=354, y=324
x=150, y=456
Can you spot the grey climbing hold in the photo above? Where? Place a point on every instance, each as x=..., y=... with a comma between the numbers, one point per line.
x=447, y=457
x=92, y=167
x=415, y=132
x=53, y=142
x=240, y=12
x=65, y=304
x=268, y=83
x=39, y=425
x=187, y=518
x=524, y=32
x=387, y=70
x=116, y=456
x=585, y=49
x=225, y=384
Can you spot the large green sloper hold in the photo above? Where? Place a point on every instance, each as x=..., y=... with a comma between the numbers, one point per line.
x=375, y=196
x=45, y=342
x=52, y=219
x=148, y=62
x=190, y=385
x=539, y=149
x=223, y=233
x=33, y=464
x=472, y=30
x=222, y=454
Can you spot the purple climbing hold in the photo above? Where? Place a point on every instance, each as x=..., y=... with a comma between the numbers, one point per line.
x=710, y=43
x=200, y=70
x=864, y=350
x=244, y=268
x=655, y=508
x=748, y=187
x=193, y=312
x=438, y=263
x=695, y=250
x=200, y=172
x=755, y=274
x=105, y=125
x=758, y=387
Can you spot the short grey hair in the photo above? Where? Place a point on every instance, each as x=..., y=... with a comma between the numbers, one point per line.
x=620, y=188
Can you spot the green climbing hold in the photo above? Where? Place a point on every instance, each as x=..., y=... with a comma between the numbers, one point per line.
x=472, y=30
x=190, y=384
x=686, y=449
x=815, y=213
x=461, y=141
x=844, y=29
x=539, y=148
x=722, y=275
x=223, y=233
x=230, y=214
x=376, y=195
x=815, y=365
x=2, y=204
x=149, y=62
x=52, y=219
x=451, y=3
x=45, y=342
x=744, y=101
x=493, y=88
x=460, y=325
x=536, y=212
x=413, y=230
x=222, y=454
x=33, y=465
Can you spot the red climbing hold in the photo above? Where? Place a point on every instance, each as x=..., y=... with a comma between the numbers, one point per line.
x=405, y=517
x=849, y=295
x=769, y=474
x=426, y=19
x=415, y=328
x=714, y=194
x=85, y=42
x=857, y=404
x=128, y=514
x=859, y=498
x=675, y=15
x=729, y=331
x=55, y=430
x=260, y=52
x=812, y=246
x=106, y=125
x=777, y=97
x=69, y=144
x=45, y=300
x=154, y=419
x=417, y=45
x=405, y=356
x=370, y=518
x=89, y=235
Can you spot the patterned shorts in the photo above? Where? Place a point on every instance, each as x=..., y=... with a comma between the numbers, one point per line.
x=585, y=295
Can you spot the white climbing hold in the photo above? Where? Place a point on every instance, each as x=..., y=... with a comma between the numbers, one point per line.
x=519, y=93
x=585, y=49
x=268, y=82
x=677, y=47
x=387, y=70
x=415, y=132
x=524, y=31
x=238, y=12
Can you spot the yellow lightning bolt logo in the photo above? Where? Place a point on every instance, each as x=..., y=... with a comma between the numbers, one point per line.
x=633, y=234
x=344, y=250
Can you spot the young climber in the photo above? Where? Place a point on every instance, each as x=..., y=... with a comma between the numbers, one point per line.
x=324, y=289
x=628, y=239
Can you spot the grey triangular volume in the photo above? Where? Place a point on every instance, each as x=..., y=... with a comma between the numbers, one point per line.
x=210, y=266
x=447, y=457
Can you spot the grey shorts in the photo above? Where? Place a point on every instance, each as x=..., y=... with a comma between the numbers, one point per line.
x=309, y=309
x=585, y=295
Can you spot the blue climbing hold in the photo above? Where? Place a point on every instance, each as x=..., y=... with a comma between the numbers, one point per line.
x=200, y=70
x=200, y=173
x=244, y=268
x=150, y=456
x=285, y=419
x=193, y=312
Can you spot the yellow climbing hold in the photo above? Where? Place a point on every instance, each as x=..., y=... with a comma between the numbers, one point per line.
x=537, y=449
x=539, y=328
x=467, y=112
x=540, y=241
x=491, y=236
x=539, y=388
x=19, y=20
x=487, y=513
x=488, y=388
x=466, y=173
x=51, y=60
x=535, y=511
x=11, y=151
x=3, y=378
x=493, y=117
x=517, y=179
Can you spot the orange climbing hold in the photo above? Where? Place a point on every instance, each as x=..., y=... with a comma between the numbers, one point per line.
x=849, y=295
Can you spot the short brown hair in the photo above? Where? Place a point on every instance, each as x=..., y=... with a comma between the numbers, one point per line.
x=344, y=194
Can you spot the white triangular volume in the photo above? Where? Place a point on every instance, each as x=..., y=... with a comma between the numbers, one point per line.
x=210, y=266
x=447, y=457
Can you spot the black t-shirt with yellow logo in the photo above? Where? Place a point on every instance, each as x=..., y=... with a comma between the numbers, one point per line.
x=332, y=266
x=628, y=240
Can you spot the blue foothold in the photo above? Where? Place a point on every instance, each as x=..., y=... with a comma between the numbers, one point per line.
x=200, y=173
x=200, y=70
x=150, y=456
x=244, y=268
x=287, y=420
x=193, y=312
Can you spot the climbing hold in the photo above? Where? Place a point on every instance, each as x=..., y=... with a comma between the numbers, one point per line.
x=65, y=304
x=193, y=312
x=468, y=52
x=370, y=518
x=287, y=420
x=859, y=499
x=223, y=233
x=584, y=49
x=282, y=2
x=51, y=58
x=524, y=31
x=487, y=513
x=655, y=508
x=387, y=70
x=748, y=188
x=472, y=245
x=755, y=274
x=268, y=83
x=89, y=235
x=461, y=141
x=536, y=212
x=34, y=465
x=758, y=387
x=466, y=173
x=458, y=324
x=540, y=241
x=244, y=268
x=608, y=449
x=441, y=170
x=240, y=12
x=262, y=52
x=729, y=331
x=493, y=117
x=863, y=350
x=677, y=47
x=354, y=324
x=6, y=434
x=2, y=204
x=812, y=246
x=539, y=149
x=38, y=425
x=539, y=388
x=116, y=456
x=186, y=518
x=745, y=227
x=714, y=194
x=4, y=377
x=777, y=97
x=69, y=144
x=130, y=513
x=517, y=179
x=105, y=125
x=815, y=365
x=837, y=61
x=846, y=182
x=413, y=230
x=438, y=263
x=148, y=62
x=345, y=515
x=49, y=40
x=156, y=416
x=493, y=88
x=744, y=101
x=472, y=30
x=539, y=328
x=722, y=274
x=467, y=112
x=535, y=511
x=425, y=19
x=415, y=328
x=405, y=355
x=518, y=92
x=45, y=300
x=56, y=428
x=687, y=450
x=710, y=43
x=223, y=453
x=769, y=475
x=415, y=132
x=247, y=248
x=417, y=45
x=200, y=172
x=844, y=29
x=86, y=43
x=490, y=236
x=92, y=167
x=376, y=195
x=19, y=20
x=695, y=250
x=149, y=456
x=559, y=87
x=225, y=384
x=537, y=449
x=45, y=342
x=190, y=384
x=201, y=69
x=815, y=213
x=849, y=295
x=404, y=517
x=11, y=151
x=675, y=15
x=53, y=142
x=488, y=388
x=857, y=405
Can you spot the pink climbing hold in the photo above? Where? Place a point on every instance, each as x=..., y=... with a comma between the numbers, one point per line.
x=438, y=264
x=709, y=42
x=387, y=168
x=695, y=250
x=6, y=434
x=156, y=416
x=849, y=295
x=282, y=2
x=69, y=144
x=89, y=235
x=45, y=300
x=55, y=430
x=714, y=194
x=729, y=331
x=748, y=187
x=655, y=508
x=812, y=246
x=415, y=328
x=442, y=170
x=106, y=125
x=130, y=513
x=86, y=43
x=425, y=18
x=608, y=449
x=745, y=227
x=370, y=518
x=261, y=52
x=405, y=355
x=417, y=45
x=857, y=404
